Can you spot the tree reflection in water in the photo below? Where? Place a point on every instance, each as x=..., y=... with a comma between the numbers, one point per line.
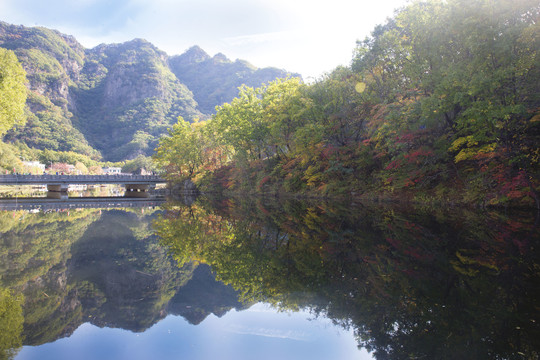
x=412, y=284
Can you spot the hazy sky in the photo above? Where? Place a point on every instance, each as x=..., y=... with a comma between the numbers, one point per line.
x=306, y=36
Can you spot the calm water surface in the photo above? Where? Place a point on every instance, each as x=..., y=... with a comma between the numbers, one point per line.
x=261, y=279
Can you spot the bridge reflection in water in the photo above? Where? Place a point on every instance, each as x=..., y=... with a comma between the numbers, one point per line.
x=60, y=201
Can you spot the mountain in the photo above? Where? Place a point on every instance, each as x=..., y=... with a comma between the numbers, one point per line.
x=52, y=62
x=114, y=101
x=127, y=97
x=203, y=295
x=215, y=80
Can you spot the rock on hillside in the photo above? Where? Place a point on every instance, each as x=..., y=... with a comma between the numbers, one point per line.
x=128, y=97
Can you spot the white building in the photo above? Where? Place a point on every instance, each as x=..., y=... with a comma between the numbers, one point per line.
x=111, y=170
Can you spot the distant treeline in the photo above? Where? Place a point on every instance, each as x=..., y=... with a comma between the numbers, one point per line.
x=442, y=102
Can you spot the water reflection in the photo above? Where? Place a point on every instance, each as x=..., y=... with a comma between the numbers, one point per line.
x=411, y=284
x=61, y=269
x=97, y=197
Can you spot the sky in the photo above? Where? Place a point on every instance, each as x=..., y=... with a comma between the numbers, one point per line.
x=259, y=332
x=310, y=37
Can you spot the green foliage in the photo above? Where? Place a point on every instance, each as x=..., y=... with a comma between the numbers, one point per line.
x=8, y=158
x=182, y=153
x=11, y=323
x=442, y=99
x=69, y=157
x=51, y=128
x=51, y=61
x=140, y=162
x=12, y=91
x=49, y=41
x=376, y=270
x=261, y=122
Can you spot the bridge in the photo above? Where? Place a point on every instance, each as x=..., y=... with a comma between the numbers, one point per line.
x=60, y=183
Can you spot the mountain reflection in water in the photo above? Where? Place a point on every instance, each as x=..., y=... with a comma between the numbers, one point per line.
x=105, y=267
x=409, y=283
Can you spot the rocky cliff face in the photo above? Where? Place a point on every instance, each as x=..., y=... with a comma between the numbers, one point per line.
x=215, y=80
x=127, y=98
x=115, y=101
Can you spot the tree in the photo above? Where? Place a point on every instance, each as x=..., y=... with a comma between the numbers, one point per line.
x=182, y=153
x=283, y=106
x=261, y=122
x=81, y=168
x=12, y=91
x=241, y=125
x=139, y=163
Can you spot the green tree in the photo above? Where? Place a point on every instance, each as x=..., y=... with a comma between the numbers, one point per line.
x=140, y=162
x=284, y=105
x=182, y=153
x=261, y=122
x=241, y=125
x=12, y=91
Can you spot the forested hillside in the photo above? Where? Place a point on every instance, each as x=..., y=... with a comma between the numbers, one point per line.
x=440, y=103
x=112, y=102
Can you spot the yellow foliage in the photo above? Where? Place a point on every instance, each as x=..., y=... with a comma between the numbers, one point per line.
x=360, y=87
x=470, y=148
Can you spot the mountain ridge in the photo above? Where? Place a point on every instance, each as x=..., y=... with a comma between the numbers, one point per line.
x=114, y=101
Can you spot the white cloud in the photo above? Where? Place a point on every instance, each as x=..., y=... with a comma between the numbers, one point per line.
x=296, y=335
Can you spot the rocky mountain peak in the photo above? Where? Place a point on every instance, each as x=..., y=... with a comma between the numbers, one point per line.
x=194, y=55
x=220, y=58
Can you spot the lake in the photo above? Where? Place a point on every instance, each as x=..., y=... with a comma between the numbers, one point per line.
x=240, y=278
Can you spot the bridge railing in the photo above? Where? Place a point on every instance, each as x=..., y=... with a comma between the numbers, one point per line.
x=47, y=178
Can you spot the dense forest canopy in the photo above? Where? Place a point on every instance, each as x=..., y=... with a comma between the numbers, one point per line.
x=440, y=102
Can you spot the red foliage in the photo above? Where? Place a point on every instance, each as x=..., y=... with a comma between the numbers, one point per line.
x=405, y=138
x=394, y=164
x=414, y=156
x=394, y=242
x=263, y=181
x=515, y=188
x=328, y=151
